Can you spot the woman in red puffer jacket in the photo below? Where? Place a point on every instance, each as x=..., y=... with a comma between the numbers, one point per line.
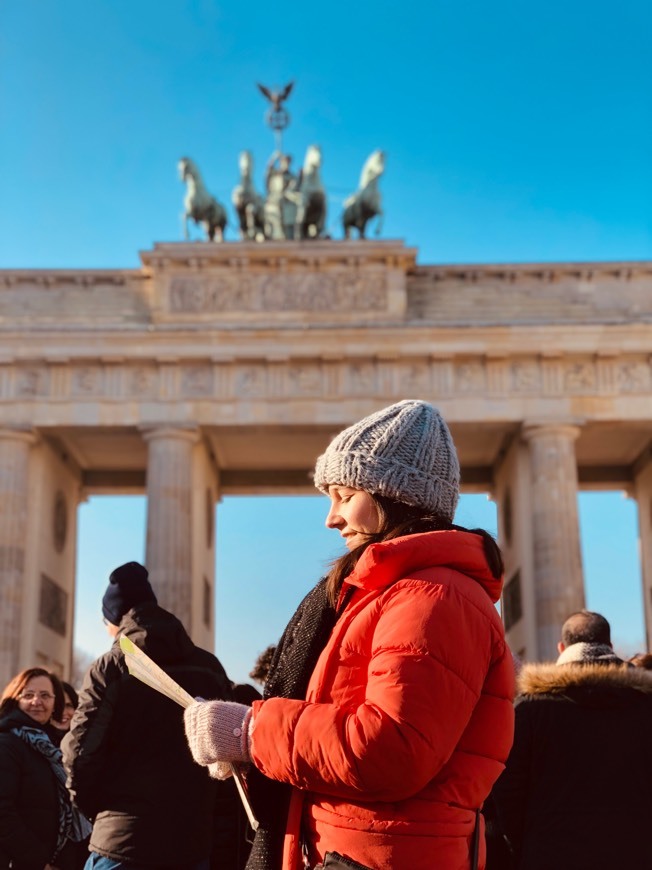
x=387, y=714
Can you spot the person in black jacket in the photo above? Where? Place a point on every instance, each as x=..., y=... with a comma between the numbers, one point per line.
x=129, y=768
x=37, y=820
x=575, y=793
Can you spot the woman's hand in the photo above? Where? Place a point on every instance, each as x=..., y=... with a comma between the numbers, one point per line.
x=220, y=770
x=218, y=731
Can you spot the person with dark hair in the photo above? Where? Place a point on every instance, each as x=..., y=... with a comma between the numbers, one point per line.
x=584, y=627
x=70, y=701
x=37, y=819
x=576, y=791
x=128, y=764
x=387, y=713
x=263, y=663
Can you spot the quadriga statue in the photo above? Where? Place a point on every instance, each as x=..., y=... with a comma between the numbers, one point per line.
x=366, y=202
x=249, y=205
x=295, y=207
x=280, y=204
x=198, y=203
x=310, y=197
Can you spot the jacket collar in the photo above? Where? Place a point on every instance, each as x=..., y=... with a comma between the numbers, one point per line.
x=16, y=718
x=583, y=653
x=383, y=564
x=552, y=679
x=157, y=632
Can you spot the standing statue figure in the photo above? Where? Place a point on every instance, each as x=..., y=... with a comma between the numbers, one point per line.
x=310, y=197
x=366, y=202
x=281, y=203
x=248, y=204
x=198, y=203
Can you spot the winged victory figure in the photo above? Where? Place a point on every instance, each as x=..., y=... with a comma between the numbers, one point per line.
x=276, y=98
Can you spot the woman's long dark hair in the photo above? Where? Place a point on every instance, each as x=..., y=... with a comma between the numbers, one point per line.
x=71, y=692
x=398, y=519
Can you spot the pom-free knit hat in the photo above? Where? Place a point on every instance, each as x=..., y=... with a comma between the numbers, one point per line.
x=128, y=586
x=404, y=452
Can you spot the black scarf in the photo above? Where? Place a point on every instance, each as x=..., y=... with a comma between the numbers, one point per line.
x=295, y=658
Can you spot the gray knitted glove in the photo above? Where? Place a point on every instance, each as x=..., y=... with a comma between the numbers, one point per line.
x=217, y=731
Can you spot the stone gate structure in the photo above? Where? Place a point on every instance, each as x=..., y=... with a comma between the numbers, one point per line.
x=218, y=369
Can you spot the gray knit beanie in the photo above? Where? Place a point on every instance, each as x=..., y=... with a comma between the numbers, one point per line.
x=404, y=452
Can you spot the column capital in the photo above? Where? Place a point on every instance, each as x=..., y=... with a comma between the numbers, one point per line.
x=19, y=433
x=152, y=432
x=567, y=430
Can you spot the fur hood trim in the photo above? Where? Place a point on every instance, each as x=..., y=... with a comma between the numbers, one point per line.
x=552, y=679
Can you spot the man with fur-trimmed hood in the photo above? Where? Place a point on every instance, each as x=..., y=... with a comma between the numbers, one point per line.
x=576, y=793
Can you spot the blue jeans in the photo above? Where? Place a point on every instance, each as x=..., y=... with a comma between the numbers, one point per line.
x=99, y=862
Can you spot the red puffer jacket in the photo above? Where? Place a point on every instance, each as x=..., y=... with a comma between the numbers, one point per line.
x=408, y=718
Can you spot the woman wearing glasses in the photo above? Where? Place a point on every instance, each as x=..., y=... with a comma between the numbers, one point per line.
x=36, y=817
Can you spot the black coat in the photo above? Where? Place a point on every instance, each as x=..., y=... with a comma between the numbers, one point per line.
x=29, y=809
x=576, y=793
x=129, y=767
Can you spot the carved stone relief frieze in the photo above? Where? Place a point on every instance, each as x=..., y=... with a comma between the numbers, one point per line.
x=88, y=381
x=361, y=379
x=413, y=378
x=197, y=381
x=231, y=379
x=141, y=381
x=525, y=376
x=32, y=381
x=329, y=291
x=579, y=377
x=305, y=379
x=470, y=377
x=633, y=377
x=251, y=381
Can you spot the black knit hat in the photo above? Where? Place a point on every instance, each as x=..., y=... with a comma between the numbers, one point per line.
x=128, y=586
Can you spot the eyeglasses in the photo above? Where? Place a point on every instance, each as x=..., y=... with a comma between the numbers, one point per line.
x=32, y=696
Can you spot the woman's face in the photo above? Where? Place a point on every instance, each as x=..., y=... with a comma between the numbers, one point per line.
x=63, y=724
x=37, y=699
x=353, y=513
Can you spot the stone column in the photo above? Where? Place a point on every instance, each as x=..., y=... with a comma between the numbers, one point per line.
x=557, y=560
x=15, y=446
x=169, y=517
x=513, y=496
x=643, y=493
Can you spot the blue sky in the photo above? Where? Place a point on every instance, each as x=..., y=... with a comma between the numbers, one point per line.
x=514, y=132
